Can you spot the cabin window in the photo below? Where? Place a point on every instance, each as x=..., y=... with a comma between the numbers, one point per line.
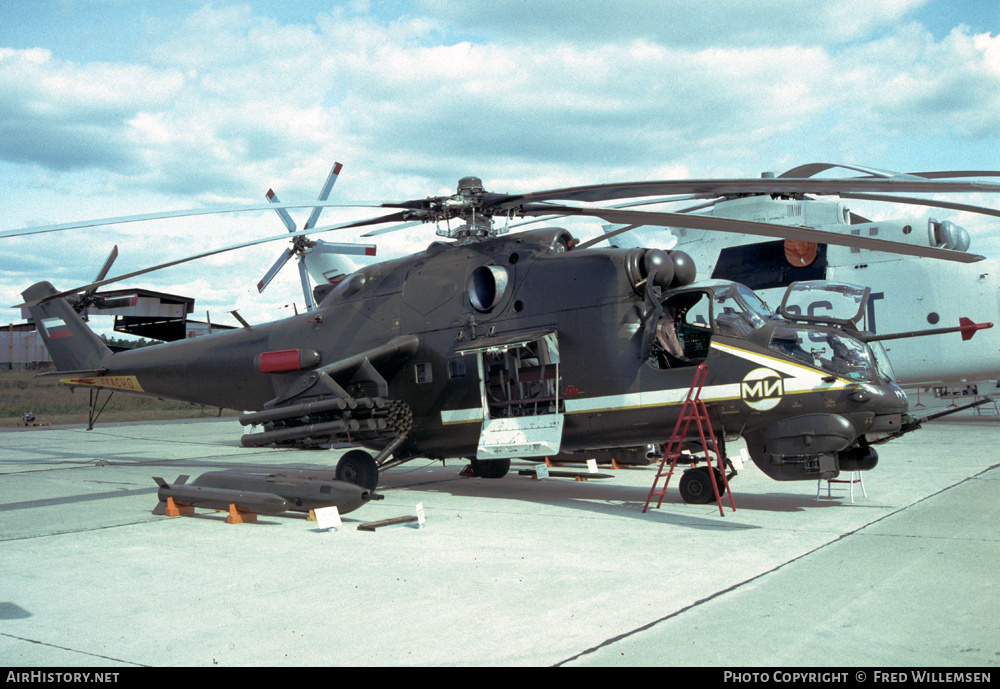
x=882, y=362
x=827, y=351
x=738, y=311
x=456, y=368
x=423, y=372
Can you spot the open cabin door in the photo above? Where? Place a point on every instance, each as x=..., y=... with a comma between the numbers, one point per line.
x=519, y=388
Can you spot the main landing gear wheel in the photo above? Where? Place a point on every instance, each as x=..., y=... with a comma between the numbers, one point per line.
x=491, y=468
x=358, y=467
x=695, y=487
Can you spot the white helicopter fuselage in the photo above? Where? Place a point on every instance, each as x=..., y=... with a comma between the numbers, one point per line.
x=329, y=268
x=907, y=293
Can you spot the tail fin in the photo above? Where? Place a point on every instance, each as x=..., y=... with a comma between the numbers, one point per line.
x=72, y=344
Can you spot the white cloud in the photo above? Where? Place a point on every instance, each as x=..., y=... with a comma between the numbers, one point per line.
x=65, y=116
x=229, y=102
x=908, y=84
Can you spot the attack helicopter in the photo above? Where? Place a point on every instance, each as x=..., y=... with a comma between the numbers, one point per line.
x=494, y=347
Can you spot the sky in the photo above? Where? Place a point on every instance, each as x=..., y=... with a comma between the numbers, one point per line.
x=115, y=107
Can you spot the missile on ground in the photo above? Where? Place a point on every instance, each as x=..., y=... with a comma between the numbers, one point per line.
x=217, y=498
x=304, y=490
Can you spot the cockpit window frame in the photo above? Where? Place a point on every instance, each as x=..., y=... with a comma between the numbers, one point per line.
x=792, y=312
x=832, y=351
x=748, y=318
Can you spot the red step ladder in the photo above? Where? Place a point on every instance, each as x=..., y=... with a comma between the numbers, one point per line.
x=693, y=409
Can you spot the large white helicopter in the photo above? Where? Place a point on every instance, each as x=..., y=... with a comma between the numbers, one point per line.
x=907, y=293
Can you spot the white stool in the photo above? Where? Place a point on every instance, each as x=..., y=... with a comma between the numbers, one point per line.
x=851, y=480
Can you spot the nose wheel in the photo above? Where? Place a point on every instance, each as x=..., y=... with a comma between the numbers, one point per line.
x=695, y=488
x=358, y=467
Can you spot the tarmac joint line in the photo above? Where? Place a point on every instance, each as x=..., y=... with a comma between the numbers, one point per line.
x=72, y=650
x=734, y=587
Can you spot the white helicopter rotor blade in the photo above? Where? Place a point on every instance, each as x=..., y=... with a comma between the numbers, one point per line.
x=273, y=271
x=721, y=187
x=282, y=213
x=344, y=249
x=324, y=194
x=103, y=272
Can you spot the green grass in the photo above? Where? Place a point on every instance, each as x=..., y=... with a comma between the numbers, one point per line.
x=53, y=403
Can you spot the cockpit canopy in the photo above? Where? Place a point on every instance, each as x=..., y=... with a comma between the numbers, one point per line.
x=828, y=351
x=726, y=308
x=688, y=319
x=692, y=316
x=829, y=303
x=738, y=310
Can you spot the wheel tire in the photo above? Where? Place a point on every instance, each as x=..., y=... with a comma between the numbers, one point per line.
x=695, y=487
x=492, y=468
x=358, y=467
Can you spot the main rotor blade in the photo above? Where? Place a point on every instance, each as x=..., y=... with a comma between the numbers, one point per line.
x=708, y=222
x=948, y=174
x=273, y=270
x=645, y=202
x=721, y=187
x=392, y=217
x=124, y=219
x=324, y=194
x=606, y=236
x=923, y=202
x=205, y=254
x=811, y=169
x=394, y=228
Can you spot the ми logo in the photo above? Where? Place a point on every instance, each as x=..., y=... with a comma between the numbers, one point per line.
x=762, y=389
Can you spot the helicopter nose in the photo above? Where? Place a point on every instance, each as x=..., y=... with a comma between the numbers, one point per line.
x=888, y=404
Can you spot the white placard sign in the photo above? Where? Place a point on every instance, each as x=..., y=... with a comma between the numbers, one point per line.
x=328, y=518
x=592, y=466
x=542, y=471
x=420, y=515
x=742, y=458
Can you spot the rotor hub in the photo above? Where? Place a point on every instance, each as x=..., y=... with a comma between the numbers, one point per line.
x=471, y=187
x=467, y=205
